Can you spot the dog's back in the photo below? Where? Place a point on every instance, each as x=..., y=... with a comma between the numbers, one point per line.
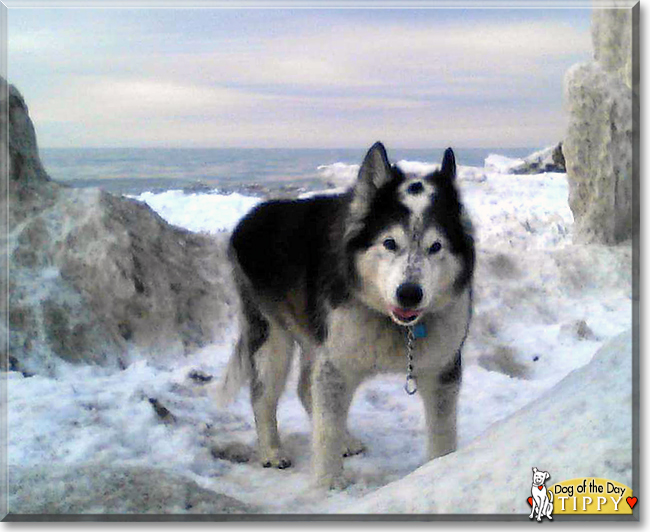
x=284, y=255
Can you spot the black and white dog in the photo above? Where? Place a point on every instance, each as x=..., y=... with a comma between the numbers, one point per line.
x=348, y=278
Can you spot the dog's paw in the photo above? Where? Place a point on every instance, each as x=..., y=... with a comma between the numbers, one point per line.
x=275, y=458
x=352, y=446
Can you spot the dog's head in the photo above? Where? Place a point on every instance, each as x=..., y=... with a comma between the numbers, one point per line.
x=539, y=477
x=408, y=246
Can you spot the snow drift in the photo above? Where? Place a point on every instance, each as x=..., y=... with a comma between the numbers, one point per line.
x=580, y=428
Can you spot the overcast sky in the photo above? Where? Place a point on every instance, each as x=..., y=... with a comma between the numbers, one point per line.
x=296, y=78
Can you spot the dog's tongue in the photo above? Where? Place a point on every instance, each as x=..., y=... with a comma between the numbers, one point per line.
x=405, y=314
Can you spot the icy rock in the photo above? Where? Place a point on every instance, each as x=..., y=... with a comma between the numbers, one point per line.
x=598, y=144
x=546, y=160
x=95, y=277
x=107, y=489
x=504, y=360
x=565, y=432
x=611, y=36
x=577, y=329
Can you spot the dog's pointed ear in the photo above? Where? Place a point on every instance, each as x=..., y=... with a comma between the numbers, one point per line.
x=448, y=166
x=548, y=475
x=375, y=172
x=534, y=470
x=375, y=169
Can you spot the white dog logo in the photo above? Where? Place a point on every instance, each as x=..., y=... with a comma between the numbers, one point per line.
x=540, y=499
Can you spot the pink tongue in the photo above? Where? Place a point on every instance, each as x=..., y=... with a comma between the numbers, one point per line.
x=404, y=313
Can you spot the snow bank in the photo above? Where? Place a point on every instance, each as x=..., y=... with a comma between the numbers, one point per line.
x=209, y=213
x=580, y=428
x=341, y=175
x=502, y=164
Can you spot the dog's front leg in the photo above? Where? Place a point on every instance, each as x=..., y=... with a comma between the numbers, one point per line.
x=542, y=507
x=440, y=397
x=331, y=393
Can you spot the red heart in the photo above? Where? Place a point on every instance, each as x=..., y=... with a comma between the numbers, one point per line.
x=540, y=488
x=631, y=501
x=530, y=501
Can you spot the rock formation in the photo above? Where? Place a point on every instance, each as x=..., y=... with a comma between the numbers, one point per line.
x=598, y=144
x=547, y=160
x=108, y=489
x=95, y=277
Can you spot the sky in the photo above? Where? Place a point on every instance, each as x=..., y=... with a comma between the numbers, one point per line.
x=318, y=78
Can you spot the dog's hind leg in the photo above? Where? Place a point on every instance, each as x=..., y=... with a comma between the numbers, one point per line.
x=351, y=445
x=440, y=396
x=270, y=366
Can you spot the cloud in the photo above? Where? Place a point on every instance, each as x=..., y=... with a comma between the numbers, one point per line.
x=390, y=55
x=338, y=83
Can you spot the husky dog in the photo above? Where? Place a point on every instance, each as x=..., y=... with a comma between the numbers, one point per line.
x=346, y=277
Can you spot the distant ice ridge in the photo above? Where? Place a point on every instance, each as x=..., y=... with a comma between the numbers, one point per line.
x=501, y=163
x=343, y=175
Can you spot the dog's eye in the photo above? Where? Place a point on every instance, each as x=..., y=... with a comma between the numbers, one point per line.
x=390, y=244
x=435, y=247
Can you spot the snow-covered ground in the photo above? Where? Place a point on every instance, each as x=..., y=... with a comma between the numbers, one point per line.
x=543, y=307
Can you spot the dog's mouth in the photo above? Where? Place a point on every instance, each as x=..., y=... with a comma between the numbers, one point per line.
x=405, y=316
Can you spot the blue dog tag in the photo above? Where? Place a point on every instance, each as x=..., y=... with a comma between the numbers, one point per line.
x=420, y=330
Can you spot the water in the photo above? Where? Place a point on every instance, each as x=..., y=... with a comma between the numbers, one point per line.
x=136, y=170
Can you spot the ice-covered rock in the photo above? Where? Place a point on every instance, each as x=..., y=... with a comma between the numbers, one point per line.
x=95, y=277
x=598, y=144
x=107, y=489
x=547, y=160
x=579, y=428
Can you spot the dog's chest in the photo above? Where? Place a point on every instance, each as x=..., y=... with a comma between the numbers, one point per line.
x=369, y=343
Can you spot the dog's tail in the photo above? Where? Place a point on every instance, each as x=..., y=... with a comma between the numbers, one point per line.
x=237, y=374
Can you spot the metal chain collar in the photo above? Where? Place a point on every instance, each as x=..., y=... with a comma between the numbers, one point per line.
x=411, y=385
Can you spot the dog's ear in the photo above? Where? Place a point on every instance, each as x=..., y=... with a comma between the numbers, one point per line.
x=535, y=470
x=375, y=169
x=547, y=475
x=375, y=172
x=448, y=166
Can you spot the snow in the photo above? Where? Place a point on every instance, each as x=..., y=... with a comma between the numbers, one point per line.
x=576, y=445
x=208, y=213
x=501, y=163
x=341, y=175
x=543, y=307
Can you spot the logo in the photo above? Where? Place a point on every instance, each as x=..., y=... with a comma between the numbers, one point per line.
x=541, y=499
x=579, y=496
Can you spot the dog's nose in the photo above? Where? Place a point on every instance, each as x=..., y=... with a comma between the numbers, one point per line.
x=409, y=294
